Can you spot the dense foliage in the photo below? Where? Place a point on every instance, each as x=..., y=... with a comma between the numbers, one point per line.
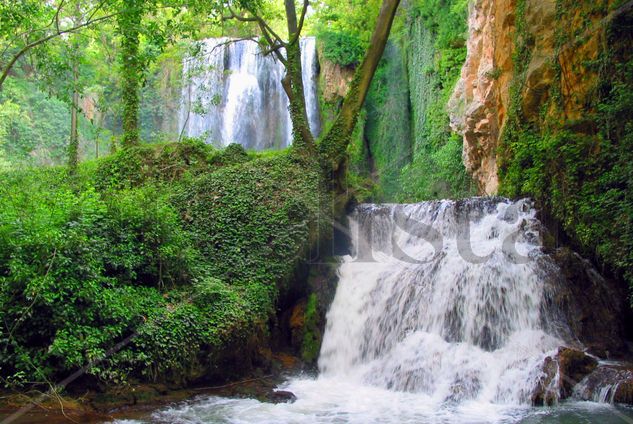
x=176, y=252
x=581, y=170
x=436, y=51
x=405, y=145
x=344, y=28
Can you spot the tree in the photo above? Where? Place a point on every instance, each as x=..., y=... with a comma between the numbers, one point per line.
x=32, y=23
x=157, y=23
x=332, y=150
x=129, y=21
x=334, y=145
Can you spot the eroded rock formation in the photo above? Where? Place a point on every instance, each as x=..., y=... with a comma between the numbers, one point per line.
x=334, y=79
x=479, y=106
x=480, y=101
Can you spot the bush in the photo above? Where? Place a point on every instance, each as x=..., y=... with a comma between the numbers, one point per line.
x=176, y=269
x=342, y=48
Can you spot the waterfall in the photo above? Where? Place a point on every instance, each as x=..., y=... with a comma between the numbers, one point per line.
x=445, y=312
x=233, y=94
x=444, y=298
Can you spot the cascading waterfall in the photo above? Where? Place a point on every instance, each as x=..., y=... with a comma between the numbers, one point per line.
x=444, y=313
x=443, y=298
x=233, y=94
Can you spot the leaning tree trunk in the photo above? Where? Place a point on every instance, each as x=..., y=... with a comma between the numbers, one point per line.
x=333, y=148
x=293, y=84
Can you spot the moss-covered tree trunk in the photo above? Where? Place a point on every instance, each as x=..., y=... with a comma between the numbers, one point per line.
x=129, y=21
x=73, y=146
x=293, y=84
x=333, y=148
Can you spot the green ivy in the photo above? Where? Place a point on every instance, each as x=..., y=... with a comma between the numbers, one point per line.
x=579, y=170
x=175, y=253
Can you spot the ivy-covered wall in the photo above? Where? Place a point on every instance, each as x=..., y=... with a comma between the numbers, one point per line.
x=569, y=144
x=404, y=143
x=436, y=49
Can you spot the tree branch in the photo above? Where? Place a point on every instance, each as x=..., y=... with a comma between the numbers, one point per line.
x=304, y=11
x=19, y=54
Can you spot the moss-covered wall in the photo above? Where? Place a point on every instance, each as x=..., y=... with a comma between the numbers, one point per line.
x=404, y=143
x=568, y=138
x=386, y=129
x=435, y=53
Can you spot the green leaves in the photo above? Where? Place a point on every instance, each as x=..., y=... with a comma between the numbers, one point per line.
x=181, y=268
x=344, y=49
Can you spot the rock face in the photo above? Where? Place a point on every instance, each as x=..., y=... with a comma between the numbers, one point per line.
x=561, y=373
x=595, y=307
x=479, y=106
x=334, y=79
x=610, y=383
x=480, y=101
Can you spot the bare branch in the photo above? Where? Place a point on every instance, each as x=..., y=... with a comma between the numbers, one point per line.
x=275, y=42
x=304, y=11
x=56, y=17
x=237, y=17
x=96, y=9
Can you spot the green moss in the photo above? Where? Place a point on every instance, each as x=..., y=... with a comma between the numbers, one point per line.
x=435, y=53
x=387, y=130
x=311, y=333
x=580, y=171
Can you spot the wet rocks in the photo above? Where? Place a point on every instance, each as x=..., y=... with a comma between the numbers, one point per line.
x=594, y=306
x=573, y=366
x=560, y=374
x=546, y=392
x=281, y=396
x=611, y=383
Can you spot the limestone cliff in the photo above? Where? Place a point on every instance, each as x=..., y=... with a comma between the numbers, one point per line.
x=545, y=109
x=480, y=101
x=334, y=79
x=519, y=43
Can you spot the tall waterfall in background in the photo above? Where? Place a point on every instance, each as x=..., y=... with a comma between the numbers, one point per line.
x=233, y=94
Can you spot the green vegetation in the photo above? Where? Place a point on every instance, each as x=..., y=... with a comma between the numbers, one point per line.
x=435, y=53
x=580, y=170
x=387, y=131
x=405, y=144
x=312, y=334
x=175, y=251
x=344, y=28
x=163, y=261
x=341, y=48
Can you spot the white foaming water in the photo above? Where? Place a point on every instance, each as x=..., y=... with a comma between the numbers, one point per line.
x=442, y=298
x=440, y=316
x=233, y=94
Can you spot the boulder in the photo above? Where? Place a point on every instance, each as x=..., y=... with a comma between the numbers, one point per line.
x=281, y=396
x=560, y=374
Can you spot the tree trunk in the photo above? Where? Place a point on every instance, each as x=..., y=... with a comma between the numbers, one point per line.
x=333, y=148
x=293, y=85
x=73, y=146
x=129, y=26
